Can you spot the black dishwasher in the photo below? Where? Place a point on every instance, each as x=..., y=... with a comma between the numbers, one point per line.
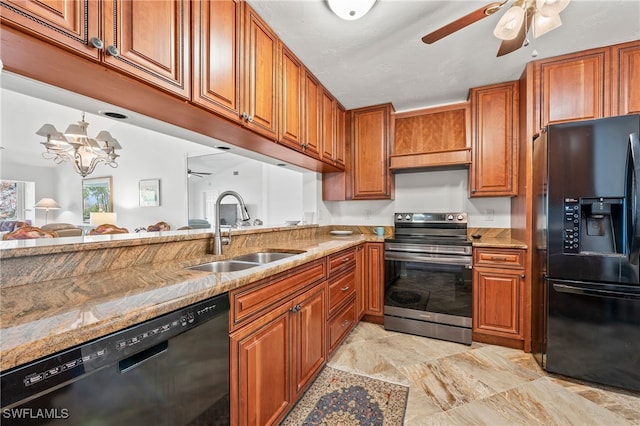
x=171, y=370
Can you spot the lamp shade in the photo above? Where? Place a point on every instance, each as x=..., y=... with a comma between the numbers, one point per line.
x=350, y=10
x=100, y=218
x=47, y=203
x=551, y=7
x=509, y=24
x=543, y=24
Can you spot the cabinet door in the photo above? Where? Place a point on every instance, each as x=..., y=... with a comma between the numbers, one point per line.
x=67, y=23
x=371, y=130
x=309, y=323
x=260, y=358
x=626, y=79
x=216, y=56
x=361, y=288
x=152, y=39
x=260, y=105
x=312, y=115
x=574, y=87
x=340, y=137
x=494, y=128
x=496, y=308
x=328, y=127
x=291, y=106
x=374, y=285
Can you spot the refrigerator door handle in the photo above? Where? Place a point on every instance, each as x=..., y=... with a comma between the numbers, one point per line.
x=564, y=288
x=634, y=149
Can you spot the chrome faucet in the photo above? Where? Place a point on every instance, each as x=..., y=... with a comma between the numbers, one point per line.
x=218, y=241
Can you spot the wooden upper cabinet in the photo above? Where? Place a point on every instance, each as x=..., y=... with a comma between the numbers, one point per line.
x=432, y=137
x=340, y=150
x=312, y=115
x=494, y=130
x=329, y=111
x=150, y=40
x=292, y=74
x=573, y=87
x=372, y=129
x=67, y=23
x=216, y=56
x=626, y=78
x=260, y=105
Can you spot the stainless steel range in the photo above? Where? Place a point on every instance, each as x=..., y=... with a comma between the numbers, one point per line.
x=428, y=285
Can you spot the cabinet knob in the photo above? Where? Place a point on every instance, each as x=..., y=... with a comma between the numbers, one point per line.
x=345, y=323
x=245, y=116
x=113, y=51
x=473, y=191
x=523, y=276
x=96, y=42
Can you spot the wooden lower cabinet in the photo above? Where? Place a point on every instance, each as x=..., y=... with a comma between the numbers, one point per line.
x=275, y=358
x=498, y=296
x=374, y=283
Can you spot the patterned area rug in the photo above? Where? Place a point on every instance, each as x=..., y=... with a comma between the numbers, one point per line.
x=346, y=399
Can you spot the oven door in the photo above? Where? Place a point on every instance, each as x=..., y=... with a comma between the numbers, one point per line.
x=432, y=288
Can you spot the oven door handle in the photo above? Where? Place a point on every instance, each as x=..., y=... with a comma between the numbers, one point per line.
x=426, y=258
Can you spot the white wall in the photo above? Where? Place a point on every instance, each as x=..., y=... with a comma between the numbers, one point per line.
x=433, y=191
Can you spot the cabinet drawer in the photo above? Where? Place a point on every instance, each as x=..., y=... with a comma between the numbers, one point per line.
x=341, y=288
x=502, y=258
x=341, y=324
x=249, y=302
x=341, y=261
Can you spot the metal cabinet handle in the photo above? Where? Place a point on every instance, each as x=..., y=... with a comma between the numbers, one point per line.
x=346, y=259
x=346, y=323
x=245, y=116
x=113, y=51
x=96, y=42
x=345, y=288
x=296, y=308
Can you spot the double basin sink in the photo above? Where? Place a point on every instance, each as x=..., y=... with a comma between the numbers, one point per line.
x=244, y=261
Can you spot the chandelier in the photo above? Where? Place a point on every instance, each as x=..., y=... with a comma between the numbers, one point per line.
x=545, y=15
x=74, y=146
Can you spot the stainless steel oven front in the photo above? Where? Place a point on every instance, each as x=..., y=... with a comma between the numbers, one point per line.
x=428, y=288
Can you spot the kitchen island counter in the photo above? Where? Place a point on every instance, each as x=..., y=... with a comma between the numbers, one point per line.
x=44, y=317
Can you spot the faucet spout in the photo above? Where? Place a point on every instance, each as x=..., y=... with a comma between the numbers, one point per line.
x=218, y=241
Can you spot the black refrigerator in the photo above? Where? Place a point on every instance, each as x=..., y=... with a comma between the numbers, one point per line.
x=588, y=243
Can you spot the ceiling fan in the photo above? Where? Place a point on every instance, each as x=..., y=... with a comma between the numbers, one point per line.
x=197, y=174
x=512, y=28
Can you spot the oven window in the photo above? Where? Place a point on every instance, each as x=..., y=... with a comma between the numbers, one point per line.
x=438, y=288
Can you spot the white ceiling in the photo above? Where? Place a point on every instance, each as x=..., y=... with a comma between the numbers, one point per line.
x=381, y=58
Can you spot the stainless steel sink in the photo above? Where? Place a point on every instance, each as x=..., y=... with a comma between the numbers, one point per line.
x=224, y=266
x=265, y=256
x=244, y=261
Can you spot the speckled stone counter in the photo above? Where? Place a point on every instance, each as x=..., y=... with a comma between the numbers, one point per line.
x=45, y=316
x=494, y=237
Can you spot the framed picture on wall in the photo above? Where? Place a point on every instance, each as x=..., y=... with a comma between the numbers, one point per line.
x=149, y=192
x=97, y=196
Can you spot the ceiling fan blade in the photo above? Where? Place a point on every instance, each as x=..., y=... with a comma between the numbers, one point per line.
x=508, y=46
x=462, y=22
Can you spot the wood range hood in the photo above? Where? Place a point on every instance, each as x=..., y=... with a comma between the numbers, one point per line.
x=432, y=139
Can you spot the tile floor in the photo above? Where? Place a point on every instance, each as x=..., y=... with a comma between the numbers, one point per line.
x=453, y=384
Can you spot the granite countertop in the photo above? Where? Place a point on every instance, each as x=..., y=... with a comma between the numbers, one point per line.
x=46, y=317
x=494, y=237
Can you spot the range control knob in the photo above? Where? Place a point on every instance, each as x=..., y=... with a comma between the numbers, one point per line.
x=408, y=217
x=460, y=217
x=399, y=217
x=450, y=217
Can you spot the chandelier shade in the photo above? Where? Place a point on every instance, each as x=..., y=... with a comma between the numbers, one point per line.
x=75, y=147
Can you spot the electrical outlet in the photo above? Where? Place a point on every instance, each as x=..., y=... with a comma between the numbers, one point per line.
x=488, y=214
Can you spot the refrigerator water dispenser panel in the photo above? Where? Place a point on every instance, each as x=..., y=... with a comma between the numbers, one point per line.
x=594, y=226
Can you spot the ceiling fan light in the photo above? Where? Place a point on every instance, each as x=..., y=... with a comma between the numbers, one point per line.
x=549, y=8
x=350, y=10
x=543, y=24
x=509, y=24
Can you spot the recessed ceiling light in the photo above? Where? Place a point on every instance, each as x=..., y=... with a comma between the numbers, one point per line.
x=114, y=114
x=222, y=147
x=281, y=165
